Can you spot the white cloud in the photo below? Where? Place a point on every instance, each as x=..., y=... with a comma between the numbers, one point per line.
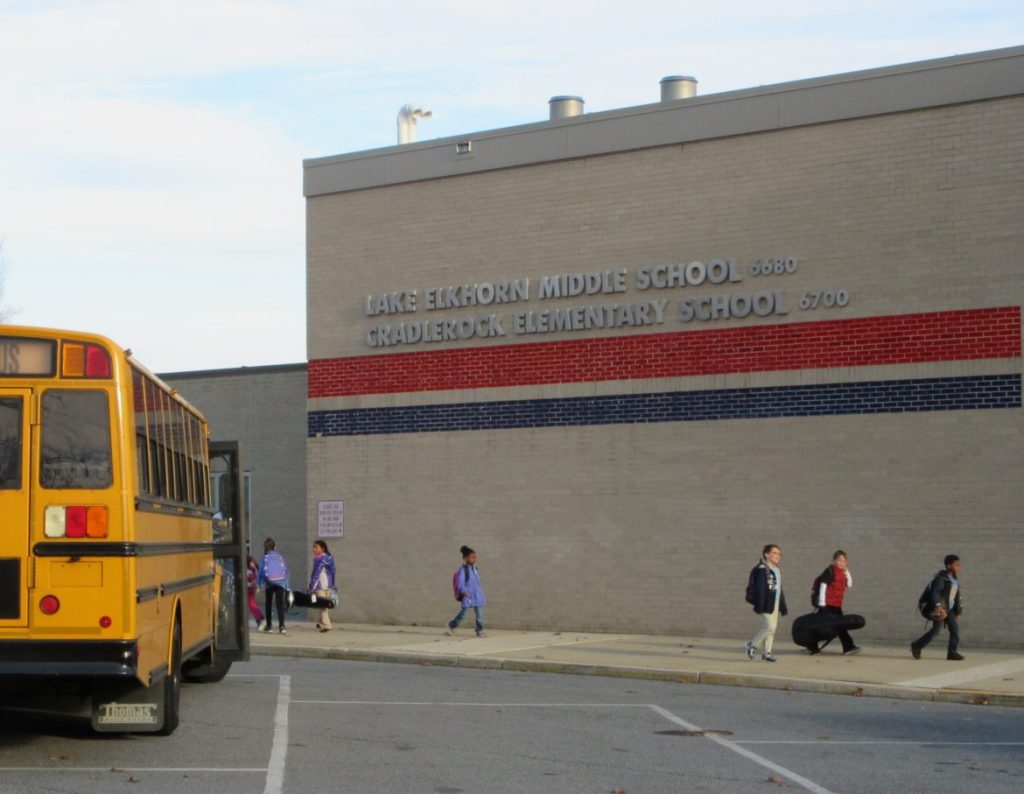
x=158, y=146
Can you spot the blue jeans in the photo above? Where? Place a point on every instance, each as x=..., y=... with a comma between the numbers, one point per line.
x=454, y=622
x=954, y=633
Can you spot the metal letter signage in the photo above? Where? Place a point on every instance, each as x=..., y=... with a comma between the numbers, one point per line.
x=698, y=304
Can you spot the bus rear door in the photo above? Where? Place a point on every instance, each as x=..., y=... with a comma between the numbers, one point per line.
x=15, y=474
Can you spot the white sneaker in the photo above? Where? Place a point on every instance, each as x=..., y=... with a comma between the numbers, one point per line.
x=449, y=631
x=750, y=650
x=767, y=657
x=259, y=626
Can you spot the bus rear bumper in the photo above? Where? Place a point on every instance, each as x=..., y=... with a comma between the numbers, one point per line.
x=68, y=658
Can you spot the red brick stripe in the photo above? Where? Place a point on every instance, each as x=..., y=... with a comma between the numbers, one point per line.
x=860, y=342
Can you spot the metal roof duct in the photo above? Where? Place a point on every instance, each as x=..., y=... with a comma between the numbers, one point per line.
x=407, y=116
x=678, y=86
x=563, y=107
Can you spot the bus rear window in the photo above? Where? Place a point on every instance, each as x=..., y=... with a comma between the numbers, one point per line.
x=75, y=440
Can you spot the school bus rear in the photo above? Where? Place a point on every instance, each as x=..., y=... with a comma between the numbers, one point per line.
x=106, y=569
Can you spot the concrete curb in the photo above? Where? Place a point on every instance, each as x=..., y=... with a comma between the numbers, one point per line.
x=818, y=686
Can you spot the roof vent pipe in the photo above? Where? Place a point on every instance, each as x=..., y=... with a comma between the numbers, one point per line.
x=407, y=116
x=563, y=107
x=678, y=86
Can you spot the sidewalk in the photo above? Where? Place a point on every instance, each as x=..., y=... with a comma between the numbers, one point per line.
x=993, y=677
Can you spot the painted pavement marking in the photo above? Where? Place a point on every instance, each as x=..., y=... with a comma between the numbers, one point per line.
x=809, y=785
x=279, y=748
x=966, y=675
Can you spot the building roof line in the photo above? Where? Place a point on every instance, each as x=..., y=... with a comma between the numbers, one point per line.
x=891, y=89
x=264, y=369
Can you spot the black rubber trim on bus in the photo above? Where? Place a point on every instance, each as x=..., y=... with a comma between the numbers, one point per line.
x=92, y=549
x=157, y=674
x=199, y=647
x=144, y=594
x=151, y=504
x=82, y=658
x=185, y=584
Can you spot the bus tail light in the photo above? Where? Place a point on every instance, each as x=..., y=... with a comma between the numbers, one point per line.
x=106, y=622
x=84, y=361
x=75, y=521
x=49, y=605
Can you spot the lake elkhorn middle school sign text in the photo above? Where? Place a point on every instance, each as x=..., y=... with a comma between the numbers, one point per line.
x=619, y=314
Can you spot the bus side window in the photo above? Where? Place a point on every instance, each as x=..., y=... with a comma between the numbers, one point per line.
x=142, y=461
x=156, y=457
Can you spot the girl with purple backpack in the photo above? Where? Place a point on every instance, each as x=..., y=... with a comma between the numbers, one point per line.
x=468, y=592
x=274, y=575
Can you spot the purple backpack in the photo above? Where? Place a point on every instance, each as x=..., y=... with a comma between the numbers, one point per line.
x=275, y=569
x=455, y=581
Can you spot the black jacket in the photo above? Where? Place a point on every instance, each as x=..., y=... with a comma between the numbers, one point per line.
x=765, y=590
x=942, y=584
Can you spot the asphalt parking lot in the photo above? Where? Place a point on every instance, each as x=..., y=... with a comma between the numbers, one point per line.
x=301, y=725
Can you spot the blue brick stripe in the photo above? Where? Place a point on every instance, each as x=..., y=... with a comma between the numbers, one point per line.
x=876, y=397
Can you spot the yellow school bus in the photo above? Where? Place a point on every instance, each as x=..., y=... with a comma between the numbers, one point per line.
x=115, y=583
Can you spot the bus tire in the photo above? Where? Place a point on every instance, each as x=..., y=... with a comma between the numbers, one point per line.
x=206, y=672
x=172, y=685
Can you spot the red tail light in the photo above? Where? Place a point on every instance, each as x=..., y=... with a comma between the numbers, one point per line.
x=97, y=362
x=49, y=605
x=77, y=519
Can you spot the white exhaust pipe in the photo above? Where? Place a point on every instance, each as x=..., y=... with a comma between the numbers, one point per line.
x=407, y=117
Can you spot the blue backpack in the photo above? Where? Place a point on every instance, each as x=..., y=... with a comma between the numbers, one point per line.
x=275, y=569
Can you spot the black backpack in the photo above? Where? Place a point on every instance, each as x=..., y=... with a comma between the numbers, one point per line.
x=924, y=601
x=816, y=586
x=751, y=594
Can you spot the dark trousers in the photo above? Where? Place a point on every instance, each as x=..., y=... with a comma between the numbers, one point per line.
x=843, y=634
x=275, y=592
x=952, y=623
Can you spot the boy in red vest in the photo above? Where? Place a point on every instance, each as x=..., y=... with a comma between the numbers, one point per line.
x=831, y=591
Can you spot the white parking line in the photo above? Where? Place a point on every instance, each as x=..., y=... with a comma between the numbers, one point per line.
x=175, y=769
x=810, y=785
x=279, y=749
x=966, y=675
x=879, y=741
x=475, y=705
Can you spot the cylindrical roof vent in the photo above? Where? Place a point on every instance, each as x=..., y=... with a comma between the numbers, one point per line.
x=678, y=86
x=563, y=107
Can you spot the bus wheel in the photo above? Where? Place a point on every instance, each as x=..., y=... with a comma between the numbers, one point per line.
x=206, y=672
x=172, y=685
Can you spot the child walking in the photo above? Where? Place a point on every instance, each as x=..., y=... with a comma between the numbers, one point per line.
x=321, y=580
x=469, y=592
x=274, y=574
x=252, y=571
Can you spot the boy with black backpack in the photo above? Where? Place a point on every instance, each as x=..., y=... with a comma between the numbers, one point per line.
x=468, y=592
x=940, y=603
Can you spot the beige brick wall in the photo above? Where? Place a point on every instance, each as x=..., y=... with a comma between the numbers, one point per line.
x=264, y=411
x=653, y=527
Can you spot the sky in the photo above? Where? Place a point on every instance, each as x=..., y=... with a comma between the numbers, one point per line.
x=151, y=152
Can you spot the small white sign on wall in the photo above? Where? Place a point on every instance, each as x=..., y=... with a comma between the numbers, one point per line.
x=331, y=519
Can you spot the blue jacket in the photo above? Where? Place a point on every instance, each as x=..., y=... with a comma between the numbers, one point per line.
x=325, y=562
x=472, y=591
